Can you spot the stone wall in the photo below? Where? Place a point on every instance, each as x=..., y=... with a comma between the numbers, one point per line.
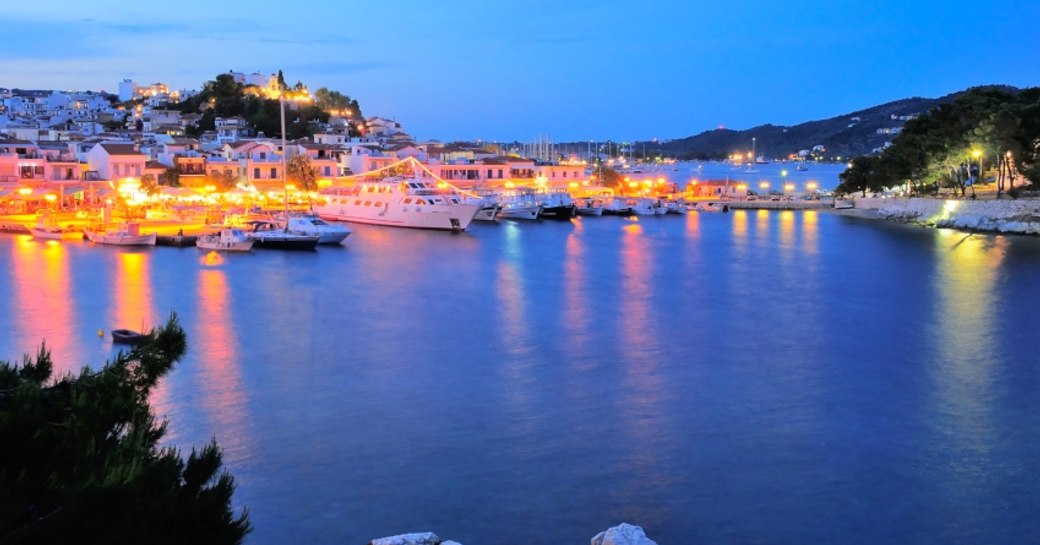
x=1002, y=216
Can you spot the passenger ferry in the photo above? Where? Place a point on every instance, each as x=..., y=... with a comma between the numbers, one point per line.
x=399, y=201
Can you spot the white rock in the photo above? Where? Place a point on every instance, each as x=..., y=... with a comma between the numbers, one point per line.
x=623, y=534
x=419, y=538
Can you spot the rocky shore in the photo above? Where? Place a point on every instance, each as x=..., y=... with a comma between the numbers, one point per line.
x=1021, y=216
x=622, y=534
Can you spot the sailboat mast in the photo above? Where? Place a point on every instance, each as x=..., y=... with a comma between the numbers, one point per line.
x=285, y=173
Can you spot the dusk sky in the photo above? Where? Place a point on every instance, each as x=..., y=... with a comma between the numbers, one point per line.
x=568, y=69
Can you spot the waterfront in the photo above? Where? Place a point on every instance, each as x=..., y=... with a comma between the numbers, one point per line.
x=763, y=377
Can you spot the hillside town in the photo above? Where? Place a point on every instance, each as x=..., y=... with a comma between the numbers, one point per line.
x=74, y=148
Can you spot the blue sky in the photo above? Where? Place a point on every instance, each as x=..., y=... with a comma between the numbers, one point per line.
x=568, y=69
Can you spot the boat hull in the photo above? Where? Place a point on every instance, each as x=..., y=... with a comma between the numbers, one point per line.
x=55, y=234
x=285, y=242
x=121, y=239
x=562, y=212
x=452, y=218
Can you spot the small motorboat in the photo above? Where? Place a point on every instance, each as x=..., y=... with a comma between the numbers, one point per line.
x=227, y=240
x=127, y=336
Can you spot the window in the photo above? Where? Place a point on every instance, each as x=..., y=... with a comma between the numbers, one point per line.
x=357, y=202
x=256, y=172
x=489, y=173
x=274, y=173
x=115, y=171
x=328, y=171
x=408, y=201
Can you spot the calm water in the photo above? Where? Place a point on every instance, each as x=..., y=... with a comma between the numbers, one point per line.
x=752, y=377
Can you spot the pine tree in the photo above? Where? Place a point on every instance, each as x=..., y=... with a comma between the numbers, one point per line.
x=80, y=461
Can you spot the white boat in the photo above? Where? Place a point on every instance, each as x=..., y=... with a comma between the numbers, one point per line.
x=589, y=206
x=227, y=240
x=676, y=206
x=617, y=206
x=50, y=230
x=125, y=235
x=659, y=206
x=399, y=201
x=327, y=233
x=641, y=206
x=844, y=204
x=712, y=207
x=270, y=234
x=489, y=207
x=519, y=206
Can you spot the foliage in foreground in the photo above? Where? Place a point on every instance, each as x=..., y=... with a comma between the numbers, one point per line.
x=79, y=461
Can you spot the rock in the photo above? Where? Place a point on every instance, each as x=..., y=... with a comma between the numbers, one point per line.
x=623, y=534
x=419, y=538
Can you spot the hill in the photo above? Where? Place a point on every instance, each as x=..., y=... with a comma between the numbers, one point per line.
x=849, y=135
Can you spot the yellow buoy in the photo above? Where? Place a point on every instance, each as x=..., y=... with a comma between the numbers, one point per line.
x=100, y=332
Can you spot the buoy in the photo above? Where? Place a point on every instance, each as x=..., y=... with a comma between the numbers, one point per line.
x=100, y=332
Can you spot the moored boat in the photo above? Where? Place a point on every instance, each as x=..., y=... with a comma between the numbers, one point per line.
x=328, y=233
x=54, y=232
x=227, y=240
x=126, y=235
x=271, y=235
x=404, y=194
x=127, y=336
x=589, y=206
x=617, y=206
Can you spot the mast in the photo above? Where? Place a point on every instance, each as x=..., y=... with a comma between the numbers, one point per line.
x=285, y=173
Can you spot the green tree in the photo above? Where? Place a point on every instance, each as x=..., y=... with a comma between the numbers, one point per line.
x=300, y=172
x=170, y=177
x=149, y=184
x=81, y=462
x=224, y=180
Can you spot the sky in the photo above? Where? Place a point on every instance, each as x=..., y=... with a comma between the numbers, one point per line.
x=565, y=70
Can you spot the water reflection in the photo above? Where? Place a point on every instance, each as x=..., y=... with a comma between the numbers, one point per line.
x=42, y=293
x=810, y=232
x=966, y=338
x=787, y=243
x=640, y=406
x=220, y=381
x=576, y=296
x=131, y=292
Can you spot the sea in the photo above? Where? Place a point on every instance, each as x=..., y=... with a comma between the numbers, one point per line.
x=751, y=377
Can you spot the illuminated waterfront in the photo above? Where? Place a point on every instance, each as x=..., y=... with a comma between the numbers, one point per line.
x=776, y=377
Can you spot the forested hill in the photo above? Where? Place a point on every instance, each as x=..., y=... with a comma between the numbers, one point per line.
x=849, y=135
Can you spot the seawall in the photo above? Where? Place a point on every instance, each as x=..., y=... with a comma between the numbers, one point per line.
x=1001, y=216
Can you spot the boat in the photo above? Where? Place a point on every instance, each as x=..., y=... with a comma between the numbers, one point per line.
x=676, y=206
x=659, y=206
x=642, y=206
x=617, y=206
x=328, y=233
x=272, y=235
x=589, y=206
x=128, y=234
x=801, y=166
x=180, y=240
x=227, y=240
x=519, y=205
x=398, y=196
x=712, y=207
x=50, y=230
x=556, y=205
x=489, y=206
x=127, y=336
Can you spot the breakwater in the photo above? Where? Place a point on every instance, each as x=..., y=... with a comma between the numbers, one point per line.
x=1000, y=215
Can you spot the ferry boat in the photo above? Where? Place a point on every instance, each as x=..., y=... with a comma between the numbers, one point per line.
x=397, y=200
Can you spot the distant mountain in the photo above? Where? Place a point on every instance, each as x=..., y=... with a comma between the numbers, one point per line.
x=849, y=135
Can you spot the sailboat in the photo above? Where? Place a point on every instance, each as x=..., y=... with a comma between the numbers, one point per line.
x=801, y=165
x=754, y=157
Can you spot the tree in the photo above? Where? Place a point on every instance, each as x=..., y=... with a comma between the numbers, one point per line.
x=149, y=184
x=224, y=180
x=170, y=177
x=300, y=172
x=80, y=458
